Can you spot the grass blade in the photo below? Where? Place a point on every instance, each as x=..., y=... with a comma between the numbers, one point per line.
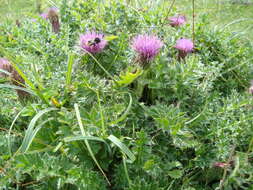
x=17, y=88
x=9, y=132
x=86, y=141
x=122, y=147
x=69, y=71
x=30, y=132
x=81, y=137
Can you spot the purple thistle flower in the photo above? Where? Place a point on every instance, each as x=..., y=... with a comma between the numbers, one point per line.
x=184, y=46
x=147, y=47
x=251, y=88
x=221, y=164
x=45, y=15
x=6, y=66
x=53, y=17
x=15, y=77
x=177, y=20
x=92, y=42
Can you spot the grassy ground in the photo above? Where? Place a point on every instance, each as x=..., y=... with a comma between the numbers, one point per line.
x=236, y=14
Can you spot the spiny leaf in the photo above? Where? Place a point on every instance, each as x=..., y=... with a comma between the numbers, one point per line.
x=128, y=77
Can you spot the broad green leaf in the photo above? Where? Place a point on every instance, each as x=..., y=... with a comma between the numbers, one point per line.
x=175, y=174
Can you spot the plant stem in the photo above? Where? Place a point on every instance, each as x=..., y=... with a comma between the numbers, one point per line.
x=193, y=21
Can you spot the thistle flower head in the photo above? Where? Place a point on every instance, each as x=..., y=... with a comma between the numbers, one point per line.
x=185, y=45
x=221, y=164
x=45, y=15
x=6, y=66
x=92, y=42
x=251, y=88
x=53, y=17
x=147, y=47
x=177, y=20
x=15, y=77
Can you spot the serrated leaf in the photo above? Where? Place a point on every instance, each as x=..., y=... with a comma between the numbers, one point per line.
x=128, y=77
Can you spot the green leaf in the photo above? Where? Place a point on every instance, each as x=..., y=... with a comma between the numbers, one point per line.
x=69, y=71
x=111, y=37
x=128, y=77
x=122, y=147
x=86, y=141
x=81, y=137
x=31, y=132
x=16, y=88
x=175, y=174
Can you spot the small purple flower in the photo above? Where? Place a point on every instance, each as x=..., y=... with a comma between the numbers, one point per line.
x=177, y=20
x=184, y=46
x=33, y=20
x=147, y=47
x=44, y=16
x=92, y=42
